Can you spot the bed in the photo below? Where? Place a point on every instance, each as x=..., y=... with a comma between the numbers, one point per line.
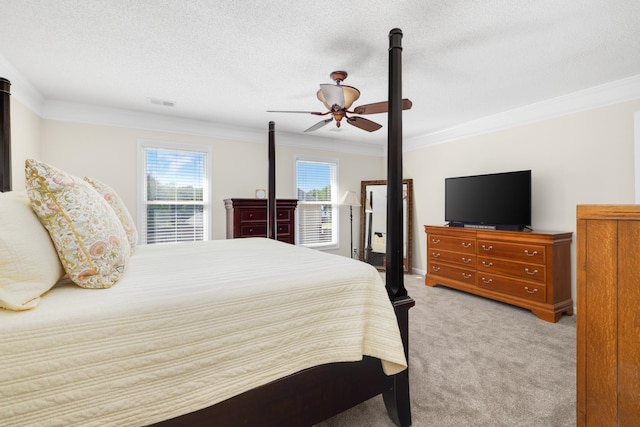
x=276, y=342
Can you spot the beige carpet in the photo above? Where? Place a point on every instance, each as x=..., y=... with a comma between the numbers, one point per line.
x=477, y=362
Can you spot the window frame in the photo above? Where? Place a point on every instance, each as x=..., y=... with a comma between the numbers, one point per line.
x=335, y=202
x=143, y=146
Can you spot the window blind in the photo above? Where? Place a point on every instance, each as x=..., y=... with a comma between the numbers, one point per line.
x=175, y=196
x=317, y=203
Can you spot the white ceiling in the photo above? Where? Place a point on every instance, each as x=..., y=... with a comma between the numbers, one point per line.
x=229, y=61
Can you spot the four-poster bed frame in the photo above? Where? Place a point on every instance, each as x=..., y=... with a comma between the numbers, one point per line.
x=313, y=395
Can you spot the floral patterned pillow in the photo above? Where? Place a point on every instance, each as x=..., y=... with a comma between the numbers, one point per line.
x=119, y=207
x=88, y=236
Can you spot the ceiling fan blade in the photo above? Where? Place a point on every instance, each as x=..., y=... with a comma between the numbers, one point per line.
x=319, y=125
x=380, y=107
x=317, y=113
x=331, y=95
x=362, y=123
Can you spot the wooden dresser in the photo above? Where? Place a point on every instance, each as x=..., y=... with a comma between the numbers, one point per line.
x=248, y=218
x=608, y=315
x=527, y=269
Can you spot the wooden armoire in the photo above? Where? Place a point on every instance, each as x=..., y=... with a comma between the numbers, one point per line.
x=608, y=315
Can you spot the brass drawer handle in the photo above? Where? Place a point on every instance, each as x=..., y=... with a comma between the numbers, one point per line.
x=534, y=253
x=435, y=254
x=466, y=245
x=436, y=241
x=435, y=268
x=466, y=275
x=466, y=260
x=487, y=281
x=531, y=273
x=526, y=288
x=487, y=264
x=487, y=248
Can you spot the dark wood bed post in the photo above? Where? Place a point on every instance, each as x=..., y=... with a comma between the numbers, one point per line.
x=271, y=189
x=396, y=395
x=5, y=136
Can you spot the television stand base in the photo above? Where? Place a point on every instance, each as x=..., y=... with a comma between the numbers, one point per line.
x=488, y=226
x=528, y=270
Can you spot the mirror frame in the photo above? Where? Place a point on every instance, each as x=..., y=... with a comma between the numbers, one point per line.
x=408, y=240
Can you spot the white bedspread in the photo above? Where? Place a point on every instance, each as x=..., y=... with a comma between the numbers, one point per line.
x=188, y=326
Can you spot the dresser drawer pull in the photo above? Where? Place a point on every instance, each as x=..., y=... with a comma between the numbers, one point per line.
x=487, y=264
x=435, y=241
x=531, y=273
x=466, y=275
x=435, y=268
x=466, y=260
x=435, y=254
x=251, y=230
x=487, y=280
x=534, y=253
x=466, y=245
x=526, y=288
x=488, y=248
x=250, y=215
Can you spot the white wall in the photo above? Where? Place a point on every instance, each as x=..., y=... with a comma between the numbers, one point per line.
x=25, y=140
x=582, y=158
x=109, y=153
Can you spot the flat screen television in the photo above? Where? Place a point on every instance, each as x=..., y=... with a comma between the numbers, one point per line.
x=499, y=200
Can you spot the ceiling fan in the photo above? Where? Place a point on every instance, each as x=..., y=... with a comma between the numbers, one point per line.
x=338, y=98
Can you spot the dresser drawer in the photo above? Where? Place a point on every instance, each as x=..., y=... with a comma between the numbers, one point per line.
x=451, y=272
x=506, y=267
x=514, y=251
x=253, y=230
x=283, y=229
x=518, y=288
x=453, y=257
x=283, y=214
x=249, y=215
x=454, y=244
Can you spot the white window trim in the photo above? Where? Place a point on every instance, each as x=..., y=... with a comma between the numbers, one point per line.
x=141, y=182
x=334, y=191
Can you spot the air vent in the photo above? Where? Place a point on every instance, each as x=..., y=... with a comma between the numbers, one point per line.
x=162, y=102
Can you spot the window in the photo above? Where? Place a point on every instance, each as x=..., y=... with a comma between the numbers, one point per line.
x=317, y=212
x=174, y=201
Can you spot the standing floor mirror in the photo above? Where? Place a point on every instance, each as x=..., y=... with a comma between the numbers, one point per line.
x=373, y=222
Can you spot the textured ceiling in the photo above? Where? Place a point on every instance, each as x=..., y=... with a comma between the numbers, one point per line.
x=229, y=62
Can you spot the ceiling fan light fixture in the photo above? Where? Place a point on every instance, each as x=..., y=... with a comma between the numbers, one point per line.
x=348, y=96
x=351, y=94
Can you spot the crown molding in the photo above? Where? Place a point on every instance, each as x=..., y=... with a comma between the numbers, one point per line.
x=104, y=116
x=21, y=89
x=627, y=89
x=623, y=90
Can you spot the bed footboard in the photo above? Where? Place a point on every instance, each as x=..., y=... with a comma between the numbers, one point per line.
x=313, y=395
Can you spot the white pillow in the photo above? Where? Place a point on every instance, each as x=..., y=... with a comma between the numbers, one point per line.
x=86, y=232
x=29, y=264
